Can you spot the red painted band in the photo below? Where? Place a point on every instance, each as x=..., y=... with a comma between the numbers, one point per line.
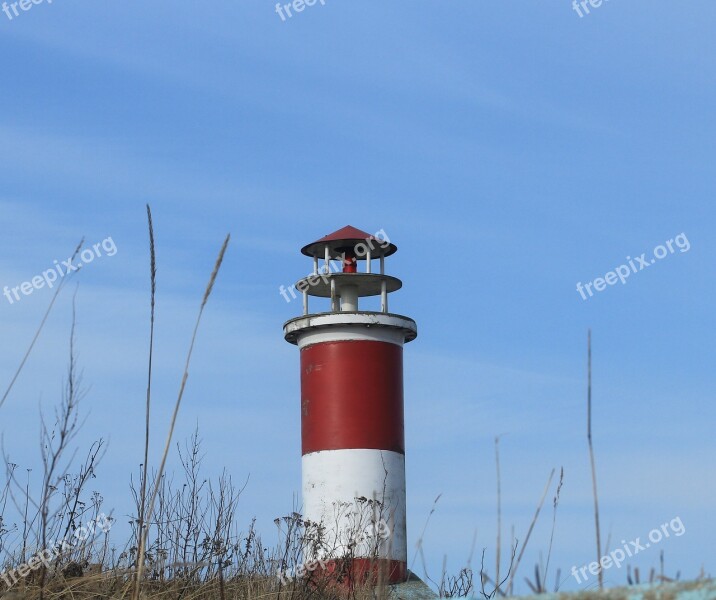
x=389, y=571
x=357, y=571
x=352, y=396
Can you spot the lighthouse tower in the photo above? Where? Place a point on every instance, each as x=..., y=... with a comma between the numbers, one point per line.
x=352, y=430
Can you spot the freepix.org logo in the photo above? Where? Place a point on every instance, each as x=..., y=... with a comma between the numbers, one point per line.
x=634, y=265
x=10, y=9
x=379, y=239
x=617, y=556
x=372, y=532
x=49, y=277
x=581, y=7
x=297, y=6
x=46, y=556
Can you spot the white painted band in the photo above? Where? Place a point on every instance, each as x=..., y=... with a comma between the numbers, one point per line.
x=336, y=487
x=348, y=333
x=352, y=325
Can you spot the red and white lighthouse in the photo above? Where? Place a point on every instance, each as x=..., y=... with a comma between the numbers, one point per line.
x=352, y=429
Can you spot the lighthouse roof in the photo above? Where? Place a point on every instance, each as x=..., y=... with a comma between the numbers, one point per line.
x=348, y=238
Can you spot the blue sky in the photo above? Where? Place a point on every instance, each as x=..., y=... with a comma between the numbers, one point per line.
x=510, y=150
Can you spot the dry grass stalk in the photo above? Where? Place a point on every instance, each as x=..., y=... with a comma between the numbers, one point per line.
x=591, y=456
x=555, y=503
x=529, y=532
x=152, y=500
x=39, y=329
x=499, y=510
x=153, y=284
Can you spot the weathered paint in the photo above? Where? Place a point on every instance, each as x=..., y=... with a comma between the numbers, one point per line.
x=368, y=284
x=360, y=570
x=352, y=396
x=413, y=588
x=348, y=236
x=331, y=326
x=332, y=481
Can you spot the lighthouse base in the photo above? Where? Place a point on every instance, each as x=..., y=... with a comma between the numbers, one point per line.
x=357, y=498
x=352, y=572
x=412, y=589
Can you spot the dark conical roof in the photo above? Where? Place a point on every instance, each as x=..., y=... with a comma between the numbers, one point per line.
x=347, y=238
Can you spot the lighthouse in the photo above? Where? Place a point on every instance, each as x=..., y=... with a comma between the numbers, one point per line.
x=352, y=426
